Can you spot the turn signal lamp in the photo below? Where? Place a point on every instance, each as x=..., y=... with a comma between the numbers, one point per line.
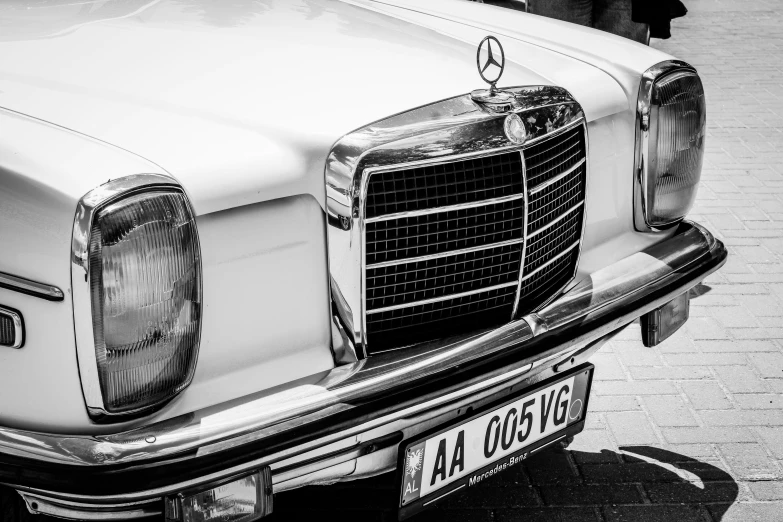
x=671, y=146
x=659, y=324
x=145, y=287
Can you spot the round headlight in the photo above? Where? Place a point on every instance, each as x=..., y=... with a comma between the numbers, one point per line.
x=670, y=145
x=145, y=288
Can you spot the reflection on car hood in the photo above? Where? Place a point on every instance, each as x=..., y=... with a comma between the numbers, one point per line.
x=242, y=100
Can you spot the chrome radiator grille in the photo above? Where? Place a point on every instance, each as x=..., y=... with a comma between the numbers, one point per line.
x=444, y=243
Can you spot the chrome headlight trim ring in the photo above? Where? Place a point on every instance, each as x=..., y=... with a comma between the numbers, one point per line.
x=86, y=210
x=644, y=114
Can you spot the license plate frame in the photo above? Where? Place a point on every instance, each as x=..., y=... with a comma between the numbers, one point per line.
x=409, y=506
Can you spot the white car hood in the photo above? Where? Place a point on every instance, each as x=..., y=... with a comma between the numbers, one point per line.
x=242, y=104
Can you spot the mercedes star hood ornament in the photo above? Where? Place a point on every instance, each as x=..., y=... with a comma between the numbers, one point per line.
x=490, y=62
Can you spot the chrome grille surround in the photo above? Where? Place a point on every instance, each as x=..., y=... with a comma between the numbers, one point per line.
x=453, y=130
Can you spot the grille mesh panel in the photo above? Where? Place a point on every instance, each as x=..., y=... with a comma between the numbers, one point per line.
x=408, y=286
x=417, y=281
x=443, y=231
x=431, y=186
x=552, y=241
x=550, y=159
x=539, y=288
x=403, y=326
x=7, y=331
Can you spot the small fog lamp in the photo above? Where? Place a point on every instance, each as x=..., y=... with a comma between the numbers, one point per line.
x=515, y=129
x=662, y=322
x=235, y=500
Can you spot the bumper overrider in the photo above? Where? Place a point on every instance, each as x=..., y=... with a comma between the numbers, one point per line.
x=350, y=421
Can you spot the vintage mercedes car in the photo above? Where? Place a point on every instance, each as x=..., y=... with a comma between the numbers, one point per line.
x=247, y=248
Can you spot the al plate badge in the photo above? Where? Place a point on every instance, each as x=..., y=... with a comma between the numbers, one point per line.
x=414, y=458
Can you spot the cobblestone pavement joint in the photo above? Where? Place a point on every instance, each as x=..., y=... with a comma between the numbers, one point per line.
x=692, y=429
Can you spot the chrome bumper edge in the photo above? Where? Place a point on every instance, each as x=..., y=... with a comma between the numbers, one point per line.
x=592, y=309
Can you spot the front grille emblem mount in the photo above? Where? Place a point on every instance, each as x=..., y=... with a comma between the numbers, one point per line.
x=490, y=70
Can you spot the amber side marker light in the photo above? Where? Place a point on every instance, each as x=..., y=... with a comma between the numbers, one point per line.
x=662, y=322
x=242, y=499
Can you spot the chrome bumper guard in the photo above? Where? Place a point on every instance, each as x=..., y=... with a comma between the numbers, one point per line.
x=95, y=476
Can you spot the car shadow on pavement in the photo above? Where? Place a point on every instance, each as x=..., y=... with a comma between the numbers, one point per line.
x=636, y=483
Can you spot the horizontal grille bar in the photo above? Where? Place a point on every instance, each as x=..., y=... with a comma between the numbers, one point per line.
x=410, y=282
x=545, y=160
x=546, y=184
x=443, y=184
x=553, y=260
x=448, y=317
x=442, y=298
x=536, y=291
x=566, y=193
x=444, y=254
x=405, y=238
x=447, y=208
x=555, y=221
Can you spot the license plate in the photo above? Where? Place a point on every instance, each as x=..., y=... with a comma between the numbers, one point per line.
x=437, y=464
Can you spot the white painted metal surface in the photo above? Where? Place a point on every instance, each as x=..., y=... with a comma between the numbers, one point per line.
x=242, y=107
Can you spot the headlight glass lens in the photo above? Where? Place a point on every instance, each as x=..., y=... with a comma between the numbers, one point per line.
x=145, y=283
x=677, y=133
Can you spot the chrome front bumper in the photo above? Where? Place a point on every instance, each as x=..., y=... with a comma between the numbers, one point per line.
x=347, y=423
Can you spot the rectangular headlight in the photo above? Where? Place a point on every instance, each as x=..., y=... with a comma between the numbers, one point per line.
x=670, y=145
x=145, y=289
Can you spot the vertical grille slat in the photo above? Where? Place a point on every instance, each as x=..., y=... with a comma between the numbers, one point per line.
x=414, y=263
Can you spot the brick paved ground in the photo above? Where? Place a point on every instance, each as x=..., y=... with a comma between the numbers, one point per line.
x=692, y=429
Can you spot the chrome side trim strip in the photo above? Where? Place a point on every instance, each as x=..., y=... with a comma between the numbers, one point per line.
x=16, y=319
x=542, y=186
x=445, y=208
x=29, y=287
x=558, y=256
x=556, y=220
x=69, y=510
x=441, y=298
x=445, y=254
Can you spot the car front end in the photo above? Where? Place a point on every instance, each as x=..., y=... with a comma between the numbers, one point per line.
x=342, y=293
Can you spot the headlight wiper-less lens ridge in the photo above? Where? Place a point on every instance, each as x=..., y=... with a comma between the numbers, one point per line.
x=145, y=286
x=676, y=161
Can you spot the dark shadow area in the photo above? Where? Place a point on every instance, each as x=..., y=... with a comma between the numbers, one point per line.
x=639, y=483
x=517, y=5
x=700, y=290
